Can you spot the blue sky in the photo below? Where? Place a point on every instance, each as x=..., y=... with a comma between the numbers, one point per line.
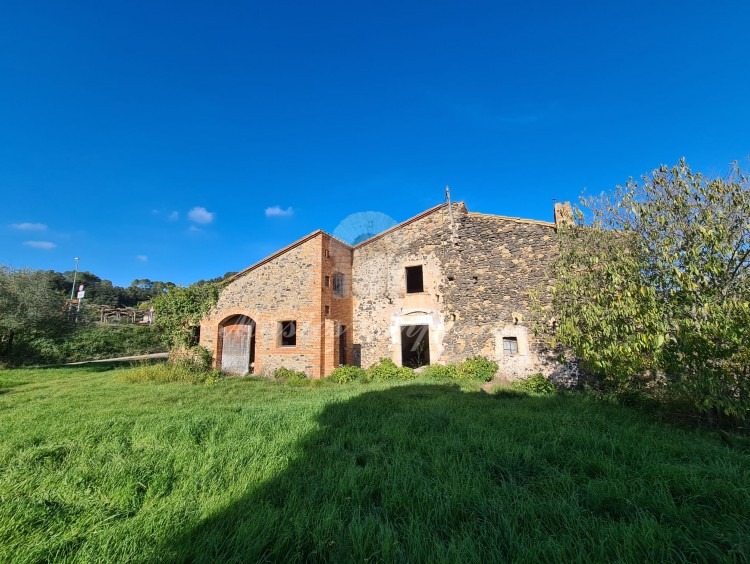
x=180, y=140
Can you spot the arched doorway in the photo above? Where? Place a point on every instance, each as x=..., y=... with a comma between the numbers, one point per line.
x=237, y=345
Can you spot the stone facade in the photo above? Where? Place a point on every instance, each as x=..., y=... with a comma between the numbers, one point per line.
x=288, y=286
x=469, y=295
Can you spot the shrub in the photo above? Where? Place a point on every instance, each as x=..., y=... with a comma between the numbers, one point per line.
x=440, y=372
x=346, y=374
x=477, y=368
x=535, y=384
x=289, y=375
x=197, y=357
x=180, y=310
x=386, y=369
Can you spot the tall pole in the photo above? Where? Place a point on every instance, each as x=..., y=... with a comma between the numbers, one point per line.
x=75, y=275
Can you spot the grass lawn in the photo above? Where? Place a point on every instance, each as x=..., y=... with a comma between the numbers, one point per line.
x=96, y=468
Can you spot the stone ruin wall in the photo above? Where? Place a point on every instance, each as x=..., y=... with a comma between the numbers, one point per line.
x=490, y=274
x=379, y=289
x=477, y=289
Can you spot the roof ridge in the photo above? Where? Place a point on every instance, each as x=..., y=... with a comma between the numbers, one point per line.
x=515, y=219
x=406, y=222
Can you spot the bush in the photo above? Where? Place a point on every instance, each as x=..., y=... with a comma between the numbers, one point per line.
x=180, y=310
x=346, y=374
x=289, y=375
x=477, y=368
x=386, y=369
x=535, y=384
x=197, y=357
x=439, y=372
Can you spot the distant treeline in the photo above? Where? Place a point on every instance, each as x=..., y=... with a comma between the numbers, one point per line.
x=102, y=292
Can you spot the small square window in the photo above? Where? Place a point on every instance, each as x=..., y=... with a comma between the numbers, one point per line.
x=338, y=284
x=288, y=333
x=510, y=345
x=414, y=279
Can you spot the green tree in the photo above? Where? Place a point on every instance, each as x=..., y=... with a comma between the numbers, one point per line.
x=178, y=312
x=29, y=305
x=658, y=281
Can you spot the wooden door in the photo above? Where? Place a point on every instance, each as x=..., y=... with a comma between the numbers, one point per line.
x=236, y=350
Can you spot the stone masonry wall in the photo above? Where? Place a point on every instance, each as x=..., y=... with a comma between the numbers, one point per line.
x=284, y=288
x=489, y=274
x=477, y=288
x=380, y=301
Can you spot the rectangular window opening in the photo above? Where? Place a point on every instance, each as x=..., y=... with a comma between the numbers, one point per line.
x=328, y=310
x=510, y=345
x=327, y=281
x=288, y=333
x=414, y=279
x=338, y=284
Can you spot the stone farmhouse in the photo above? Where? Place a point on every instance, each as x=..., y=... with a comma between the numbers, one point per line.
x=438, y=288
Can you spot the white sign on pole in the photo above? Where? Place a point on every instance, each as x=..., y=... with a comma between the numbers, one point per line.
x=81, y=294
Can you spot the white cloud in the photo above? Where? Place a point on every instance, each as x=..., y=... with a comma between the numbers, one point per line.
x=45, y=245
x=194, y=229
x=29, y=226
x=278, y=211
x=201, y=215
x=142, y=258
x=174, y=216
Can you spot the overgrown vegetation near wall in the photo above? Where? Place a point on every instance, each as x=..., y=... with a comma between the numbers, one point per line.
x=653, y=289
x=179, y=312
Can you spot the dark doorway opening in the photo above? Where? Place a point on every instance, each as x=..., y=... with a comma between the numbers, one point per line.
x=238, y=345
x=415, y=345
x=342, y=345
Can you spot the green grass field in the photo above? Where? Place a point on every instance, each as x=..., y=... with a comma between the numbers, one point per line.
x=96, y=468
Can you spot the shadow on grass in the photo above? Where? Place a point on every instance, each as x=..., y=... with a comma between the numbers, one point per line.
x=431, y=473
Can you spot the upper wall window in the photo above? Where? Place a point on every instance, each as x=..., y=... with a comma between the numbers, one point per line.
x=338, y=284
x=414, y=279
x=288, y=333
x=510, y=345
x=327, y=281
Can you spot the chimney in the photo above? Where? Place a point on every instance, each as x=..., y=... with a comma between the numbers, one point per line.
x=563, y=215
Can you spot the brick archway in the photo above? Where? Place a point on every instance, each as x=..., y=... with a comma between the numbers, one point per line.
x=236, y=345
